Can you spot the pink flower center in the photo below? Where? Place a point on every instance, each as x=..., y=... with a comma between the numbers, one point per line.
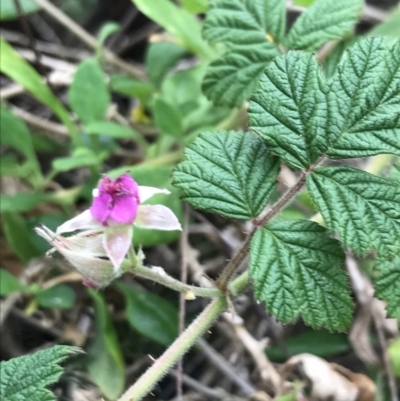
x=116, y=201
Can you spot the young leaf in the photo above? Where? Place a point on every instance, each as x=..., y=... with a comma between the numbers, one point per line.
x=325, y=20
x=80, y=157
x=251, y=30
x=10, y=283
x=195, y=6
x=60, y=296
x=21, y=202
x=88, y=93
x=355, y=114
x=229, y=173
x=131, y=87
x=106, y=364
x=8, y=10
x=20, y=236
x=177, y=21
x=27, y=377
x=362, y=208
x=168, y=118
x=150, y=314
x=388, y=285
x=296, y=269
x=15, y=133
x=115, y=130
x=160, y=58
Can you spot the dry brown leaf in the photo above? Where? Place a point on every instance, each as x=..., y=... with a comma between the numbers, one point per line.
x=324, y=382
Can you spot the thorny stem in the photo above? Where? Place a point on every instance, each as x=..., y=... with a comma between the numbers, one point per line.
x=181, y=345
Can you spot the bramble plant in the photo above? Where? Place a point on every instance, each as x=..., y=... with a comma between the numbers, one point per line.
x=302, y=115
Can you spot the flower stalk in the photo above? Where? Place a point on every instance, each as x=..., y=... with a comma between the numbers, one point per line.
x=158, y=275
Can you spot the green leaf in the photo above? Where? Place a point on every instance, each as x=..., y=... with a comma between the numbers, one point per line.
x=229, y=173
x=196, y=6
x=149, y=314
x=321, y=343
x=296, y=269
x=13, y=65
x=20, y=236
x=131, y=87
x=106, y=30
x=106, y=365
x=27, y=377
x=390, y=27
x=325, y=20
x=21, y=202
x=168, y=118
x=8, y=11
x=60, y=296
x=388, y=285
x=178, y=22
x=302, y=116
x=251, y=30
x=15, y=133
x=113, y=130
x=232, y=78
x=160, y=58
x=88, y=94
x=364, y=100
x=10, y=283
x=288, y=109
x=79, y=158
x=362, y=208
x=394, y=355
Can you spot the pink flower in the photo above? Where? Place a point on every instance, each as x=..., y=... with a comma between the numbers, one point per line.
x=117, y=204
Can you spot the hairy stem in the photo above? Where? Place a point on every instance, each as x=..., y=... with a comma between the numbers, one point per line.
x=264, y=217
x=159, y=275
x=182, y=344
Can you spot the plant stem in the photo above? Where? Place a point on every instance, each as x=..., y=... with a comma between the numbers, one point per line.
x=182, y=344
x=264, y=217
x=158, y=275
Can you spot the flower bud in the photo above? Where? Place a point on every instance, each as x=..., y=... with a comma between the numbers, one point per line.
x=85, y=253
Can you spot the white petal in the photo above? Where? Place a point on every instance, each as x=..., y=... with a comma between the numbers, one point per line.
x=158, y=217
x=116, y=241
x=147, y=192
x=83, y=221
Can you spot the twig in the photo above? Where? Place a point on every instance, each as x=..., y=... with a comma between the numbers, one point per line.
x=90, y=40
x=267, y=371
x=182, y=304
x=364, y=292
x=39, y=122
x=45, y=47
x=200, y=388
x=225, y=367
x=28, y=32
